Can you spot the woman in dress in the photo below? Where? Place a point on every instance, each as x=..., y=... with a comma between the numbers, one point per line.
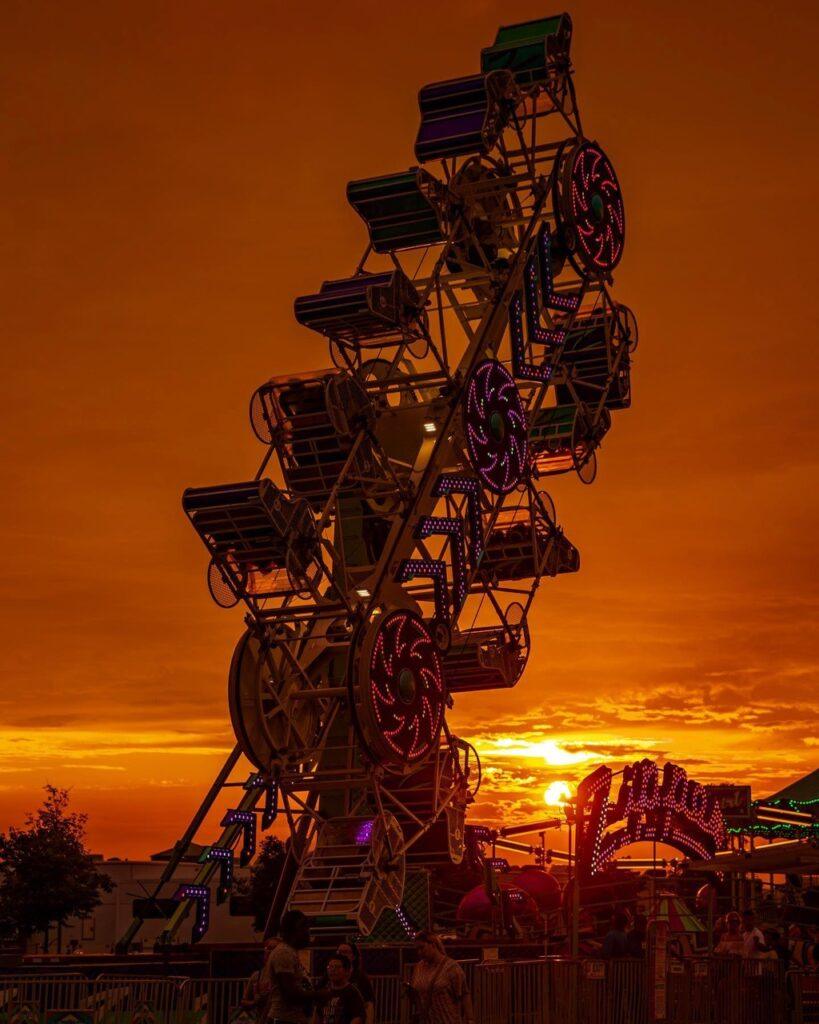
x=438, y=987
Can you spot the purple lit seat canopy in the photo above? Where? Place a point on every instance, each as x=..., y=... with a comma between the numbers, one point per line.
x=462, y=116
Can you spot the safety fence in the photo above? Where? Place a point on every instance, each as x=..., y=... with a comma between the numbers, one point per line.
x=702, y=991
x=112, y=999
x=805, y=989
x=550, y=991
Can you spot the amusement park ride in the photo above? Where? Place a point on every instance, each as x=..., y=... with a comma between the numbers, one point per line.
x=476, y=350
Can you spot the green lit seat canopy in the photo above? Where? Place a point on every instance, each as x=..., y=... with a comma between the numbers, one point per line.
x=399, y=209
x=531, y=50
x=564, y=438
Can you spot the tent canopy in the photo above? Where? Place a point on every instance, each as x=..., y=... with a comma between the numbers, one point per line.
x=675, y=912
x=803, y=791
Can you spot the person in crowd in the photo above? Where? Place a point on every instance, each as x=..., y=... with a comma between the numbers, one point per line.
x=797, y=946
x=615, y=944
x=343, y=1003
x=636, y=937
x=438, y=987
x=776, y=948
x=284, y=980
x=753, y=941
x=359, y=978
x=813, y=949
x=253, y=998
x=731, y=941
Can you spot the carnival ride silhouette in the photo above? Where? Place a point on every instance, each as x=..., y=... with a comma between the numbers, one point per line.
x=475, y=351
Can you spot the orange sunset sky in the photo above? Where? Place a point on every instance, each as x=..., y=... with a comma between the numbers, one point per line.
x=174, y=175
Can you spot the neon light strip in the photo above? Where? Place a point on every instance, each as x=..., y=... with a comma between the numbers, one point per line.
x=433, y=569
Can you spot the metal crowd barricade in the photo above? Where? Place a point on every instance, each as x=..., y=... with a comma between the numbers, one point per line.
x=592, y=992
x=528, y=990
x=491, y=992
x=388, y=997
x=627, y=991
x=210, y=1000
x=699, y=990
x=803, y=990
x=118, y=998
x=45, y=992
x=746, y=991
x=562, y=1000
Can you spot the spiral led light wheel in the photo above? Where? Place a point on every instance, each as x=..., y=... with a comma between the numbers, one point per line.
x=590, y=209
x=400, y=697
x=495, y=427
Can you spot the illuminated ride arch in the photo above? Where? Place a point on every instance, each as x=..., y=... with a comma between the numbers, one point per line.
x=649, y=806
x=389, y=546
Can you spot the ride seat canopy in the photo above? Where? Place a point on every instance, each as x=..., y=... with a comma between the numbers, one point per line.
x=463, y=115
x=249, y=527
x=531, y=50
x=398, y=209
x=363, y=307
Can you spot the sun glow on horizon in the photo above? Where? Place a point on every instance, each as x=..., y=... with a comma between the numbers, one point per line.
x=552, y=753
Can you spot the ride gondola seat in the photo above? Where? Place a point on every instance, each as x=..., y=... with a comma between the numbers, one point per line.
x=589, y=352
x=484, y=658
x=463, y=115
x=526, y=545
x=419, y=794
x=262, y=540
x=563, y=438
x=364, y=307
x=398, y=209
x=531, y=50
x=314, y=420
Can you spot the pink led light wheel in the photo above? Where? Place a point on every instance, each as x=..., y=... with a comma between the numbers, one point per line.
x=495, y=427
x=590, y=210
x=400, y=695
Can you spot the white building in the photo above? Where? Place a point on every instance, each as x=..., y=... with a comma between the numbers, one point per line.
x=135, y=879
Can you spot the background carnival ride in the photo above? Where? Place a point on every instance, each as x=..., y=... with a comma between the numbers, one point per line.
x=649, y=806
x=476, y=350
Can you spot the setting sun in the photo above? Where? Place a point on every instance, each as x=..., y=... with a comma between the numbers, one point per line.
x=557, y=794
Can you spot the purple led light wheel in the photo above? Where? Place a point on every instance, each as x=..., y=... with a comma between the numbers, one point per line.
x=495, y=427
x=400, y=698
x=590, y=209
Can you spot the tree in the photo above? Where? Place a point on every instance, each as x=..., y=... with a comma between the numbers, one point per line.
x=46, y=873
x=264, y=877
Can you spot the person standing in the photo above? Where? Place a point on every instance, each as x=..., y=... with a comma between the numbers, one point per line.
x=359, y=979
x=253, y=998
x=731, y=940
x=753, y=941
x=438, y=987
x=284, y=979
x=615, y=943
x=797, y=946
x=343, y=1003
x=776, y=948
x=636, y=938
